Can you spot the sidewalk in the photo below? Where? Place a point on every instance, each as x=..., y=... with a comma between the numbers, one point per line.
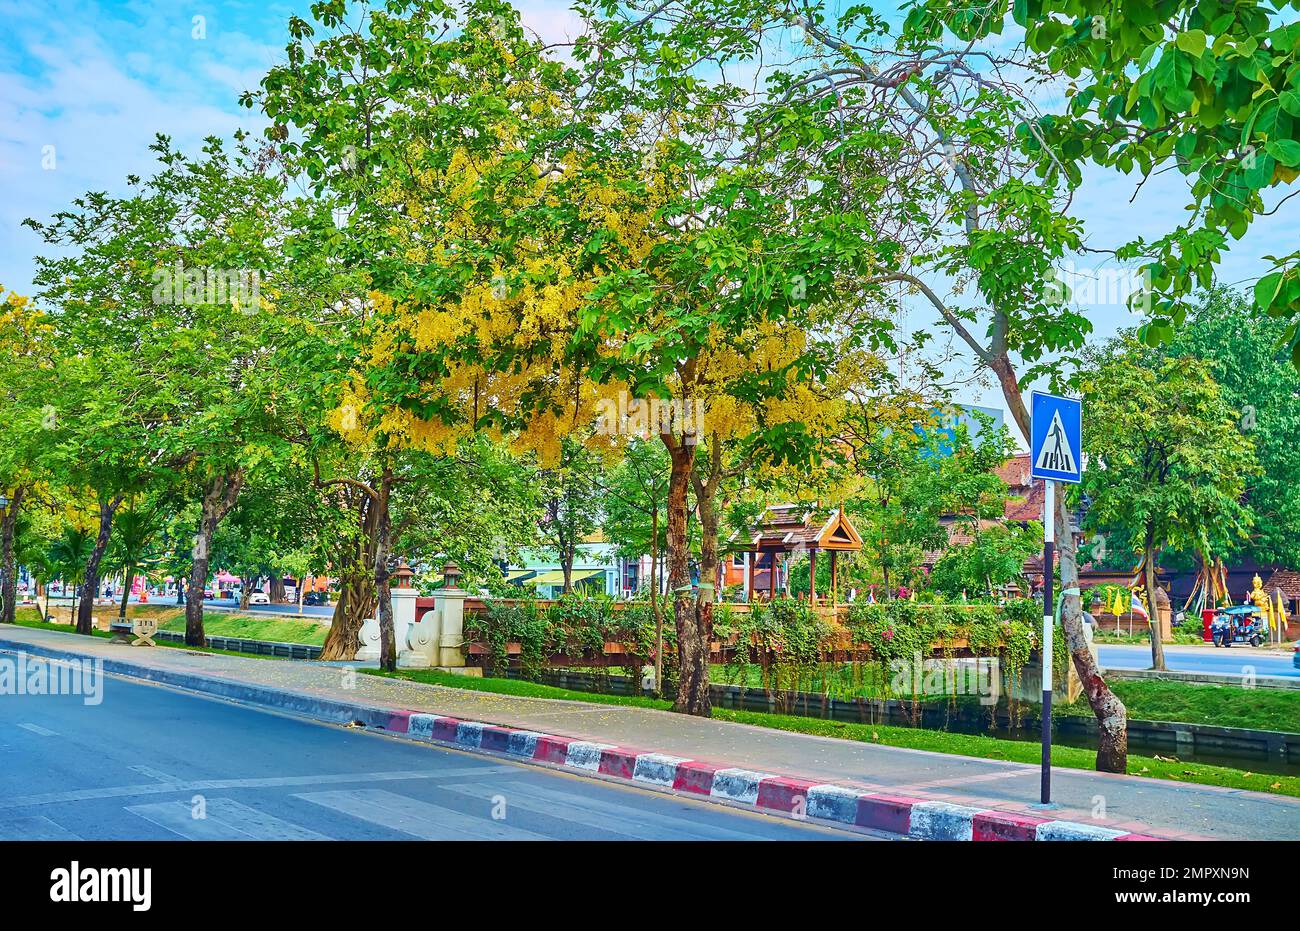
x=1131, y=804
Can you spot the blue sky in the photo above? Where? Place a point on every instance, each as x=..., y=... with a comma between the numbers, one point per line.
x=97, y=80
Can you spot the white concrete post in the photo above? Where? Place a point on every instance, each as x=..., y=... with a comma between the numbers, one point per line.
x=403, y=612
x=450, y=604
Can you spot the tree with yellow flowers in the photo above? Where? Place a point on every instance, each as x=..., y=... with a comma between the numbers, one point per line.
x=25, y=350
x=534, y=253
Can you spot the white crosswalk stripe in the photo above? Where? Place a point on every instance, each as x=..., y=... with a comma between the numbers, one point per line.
x=223, y=819
x=594, y=813
x=420, y=819
x=35, y=827
x=37, y=729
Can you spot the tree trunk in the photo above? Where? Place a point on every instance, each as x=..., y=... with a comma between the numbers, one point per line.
x=245, y=592
x=356, y=602
x=387, y=637
x=1153, y=617
x=127, y=578
x=656, y=609
x=90, y=585
x=692, y=688
x=8, y=563
x=705, y=492
x=219, y=496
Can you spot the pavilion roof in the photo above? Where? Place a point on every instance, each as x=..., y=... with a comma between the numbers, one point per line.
x=789, y=527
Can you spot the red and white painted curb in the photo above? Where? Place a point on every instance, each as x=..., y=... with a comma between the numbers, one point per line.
x=895, y=814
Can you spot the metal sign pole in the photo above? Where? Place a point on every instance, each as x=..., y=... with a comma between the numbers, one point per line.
x=1049, y=547
x=1056, y=454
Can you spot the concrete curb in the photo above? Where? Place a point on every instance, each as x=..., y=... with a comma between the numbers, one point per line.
x=772, y=793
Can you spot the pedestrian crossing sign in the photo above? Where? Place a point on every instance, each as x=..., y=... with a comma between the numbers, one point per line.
x=1056, y=446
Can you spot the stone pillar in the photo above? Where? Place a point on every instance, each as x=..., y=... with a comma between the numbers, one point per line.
x=418, y=646
x=451, y=608
x=1164, y=616
x=403, y=612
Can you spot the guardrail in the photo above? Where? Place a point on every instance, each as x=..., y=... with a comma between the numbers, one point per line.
x=258, y=647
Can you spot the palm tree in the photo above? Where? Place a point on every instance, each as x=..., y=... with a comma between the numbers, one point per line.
x=69, y=555
x=132, y=552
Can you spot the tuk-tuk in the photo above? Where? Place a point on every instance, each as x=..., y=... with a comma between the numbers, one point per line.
x=1235, y=624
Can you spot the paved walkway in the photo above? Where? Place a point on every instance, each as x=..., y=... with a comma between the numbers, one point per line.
x=1130, y=803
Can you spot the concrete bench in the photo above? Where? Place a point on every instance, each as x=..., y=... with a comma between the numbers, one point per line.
x=142, y=629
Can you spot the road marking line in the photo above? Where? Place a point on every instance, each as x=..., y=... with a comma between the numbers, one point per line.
x=35, y=827
x=37, y=729
x=158, y=788
x=594, y=813
x=223, y=819
x=411, y=816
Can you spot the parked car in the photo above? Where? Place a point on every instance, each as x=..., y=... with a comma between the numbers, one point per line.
x=316, y=598
x=209, y=594
x=259, y=598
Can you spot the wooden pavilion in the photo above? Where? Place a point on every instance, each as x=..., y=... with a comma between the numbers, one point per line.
x=790, y=528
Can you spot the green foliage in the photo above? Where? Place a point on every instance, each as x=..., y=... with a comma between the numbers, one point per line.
x=786, y=637
x=575, y=625
x=993, y=559
x=1168, y=458
x=1211, y=89
x=900, y=630
x=1248, y=358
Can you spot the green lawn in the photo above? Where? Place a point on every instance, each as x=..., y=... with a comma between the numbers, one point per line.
x=279, y=629
x=1220, y=705
x=992, y=748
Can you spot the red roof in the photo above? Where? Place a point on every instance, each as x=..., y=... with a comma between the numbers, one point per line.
x=1285, y=579
x=1026, y=497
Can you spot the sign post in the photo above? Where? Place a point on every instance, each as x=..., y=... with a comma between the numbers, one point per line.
x=1056, y=455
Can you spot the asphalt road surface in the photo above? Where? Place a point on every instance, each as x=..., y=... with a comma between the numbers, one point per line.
x=151, y=763
x=1234, y=660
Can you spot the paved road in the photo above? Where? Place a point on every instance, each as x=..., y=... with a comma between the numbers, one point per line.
x=312, y=610
x=1233, y=660
x=142, y=763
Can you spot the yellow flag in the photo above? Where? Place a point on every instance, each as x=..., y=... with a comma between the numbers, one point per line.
x=1118, y=607
x=1281, y=611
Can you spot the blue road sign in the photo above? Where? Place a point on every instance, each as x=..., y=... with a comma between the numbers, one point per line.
x=1056, y=444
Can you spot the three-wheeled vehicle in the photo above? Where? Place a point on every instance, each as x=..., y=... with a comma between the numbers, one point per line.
x=1235, y=624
